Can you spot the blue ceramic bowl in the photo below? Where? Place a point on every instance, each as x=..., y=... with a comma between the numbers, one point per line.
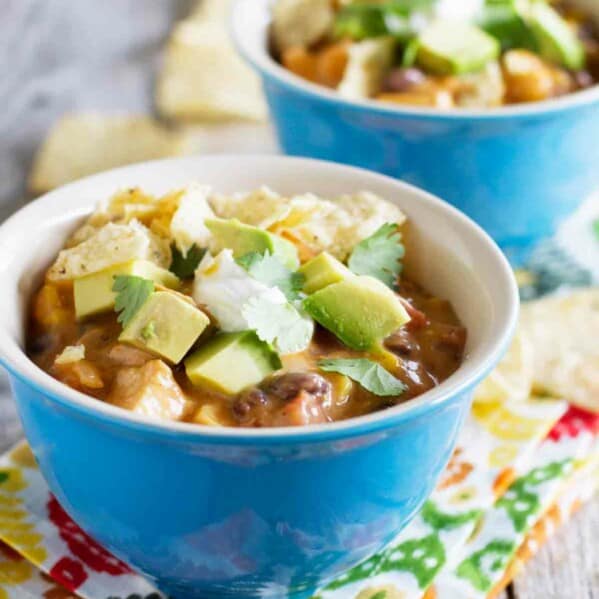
x=217, y=512
x=517, y=171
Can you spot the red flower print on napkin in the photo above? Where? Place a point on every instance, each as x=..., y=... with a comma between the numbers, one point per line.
x=83, y=546
x=69, y=573
x=574, y=422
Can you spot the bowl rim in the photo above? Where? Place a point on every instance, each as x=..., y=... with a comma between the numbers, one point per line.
x=258, y=56
x=14, y=358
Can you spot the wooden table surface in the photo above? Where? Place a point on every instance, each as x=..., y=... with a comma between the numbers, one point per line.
x=61, y=55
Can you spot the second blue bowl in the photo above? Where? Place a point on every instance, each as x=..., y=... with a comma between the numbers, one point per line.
x=517, y=171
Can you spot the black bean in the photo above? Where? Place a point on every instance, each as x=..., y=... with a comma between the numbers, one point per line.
x=401, y=343
x=291, y=384
x=40, y=344
x=251, y=401
x=584, y=79
x=402, y=80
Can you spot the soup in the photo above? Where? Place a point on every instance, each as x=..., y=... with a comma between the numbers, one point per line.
x=445, y=54
x=250, y=310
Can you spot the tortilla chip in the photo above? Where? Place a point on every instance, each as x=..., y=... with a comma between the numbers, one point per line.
x=564, y=332
x=211, y=9
x=312, y=223
x=202, y=77
x=88, y=143
x=512, y=379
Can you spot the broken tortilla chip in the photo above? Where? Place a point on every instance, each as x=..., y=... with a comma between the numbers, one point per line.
x=512, y=379
x=202, y=77
x=564, y=332
x=88, y=143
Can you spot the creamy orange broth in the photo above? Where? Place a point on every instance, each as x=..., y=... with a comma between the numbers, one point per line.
x=421, y=354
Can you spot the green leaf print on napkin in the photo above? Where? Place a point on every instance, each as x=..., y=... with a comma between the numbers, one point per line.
x=480, y=566
x=521, y=501
x=360, y=572
x=422, y=557
x=439, y=520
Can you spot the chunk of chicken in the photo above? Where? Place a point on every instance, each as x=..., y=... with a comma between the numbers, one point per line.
x=529, y=78
x=125, y=355
x=150, y=390
x=367, y=65
x=483, y=89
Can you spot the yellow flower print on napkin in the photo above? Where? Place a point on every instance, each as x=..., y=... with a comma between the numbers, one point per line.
x=13, y=573
x=15, y=529
x=512, y=421
x=11, y=480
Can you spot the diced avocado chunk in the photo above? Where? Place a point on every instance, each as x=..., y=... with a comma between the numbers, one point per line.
x=453, y=48
x=557, y=41
x=323, y=270
x=243, y=239
x=167, y=324
x=231, y=362
x=505, y=23
x=93, y=293
x=361, y=311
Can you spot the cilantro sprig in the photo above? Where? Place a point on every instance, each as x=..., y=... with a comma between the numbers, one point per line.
x=379, y=255
x=268, y=269
x=131, y=294
x=184, y=266
x=367, y=373
x=281, y=324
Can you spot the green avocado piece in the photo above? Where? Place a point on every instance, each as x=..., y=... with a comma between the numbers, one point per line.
x=93, y=293
x=556, y=40
x=231, y=362
x=243, y=239
x=506, y=24
x=167, y=324
x=453, y=48
x=323, y=270
x=361, y=311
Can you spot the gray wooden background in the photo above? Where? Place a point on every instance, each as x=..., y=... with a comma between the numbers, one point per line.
x=63, y=55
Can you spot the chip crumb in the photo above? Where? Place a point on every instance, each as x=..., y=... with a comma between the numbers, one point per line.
x=70, y=354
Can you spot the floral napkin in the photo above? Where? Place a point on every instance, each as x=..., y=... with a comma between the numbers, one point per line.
x=497, y=442
x=483, y=560
x=580, y=489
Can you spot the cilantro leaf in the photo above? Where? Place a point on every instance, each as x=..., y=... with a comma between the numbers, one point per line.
x=184, y=266
x=131, y=294
x=268, y=269
x=281, y=324
x=370, y=375
x=379, y=255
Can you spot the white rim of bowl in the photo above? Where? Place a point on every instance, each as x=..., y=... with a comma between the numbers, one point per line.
x=259, y=57
x=16, y=361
